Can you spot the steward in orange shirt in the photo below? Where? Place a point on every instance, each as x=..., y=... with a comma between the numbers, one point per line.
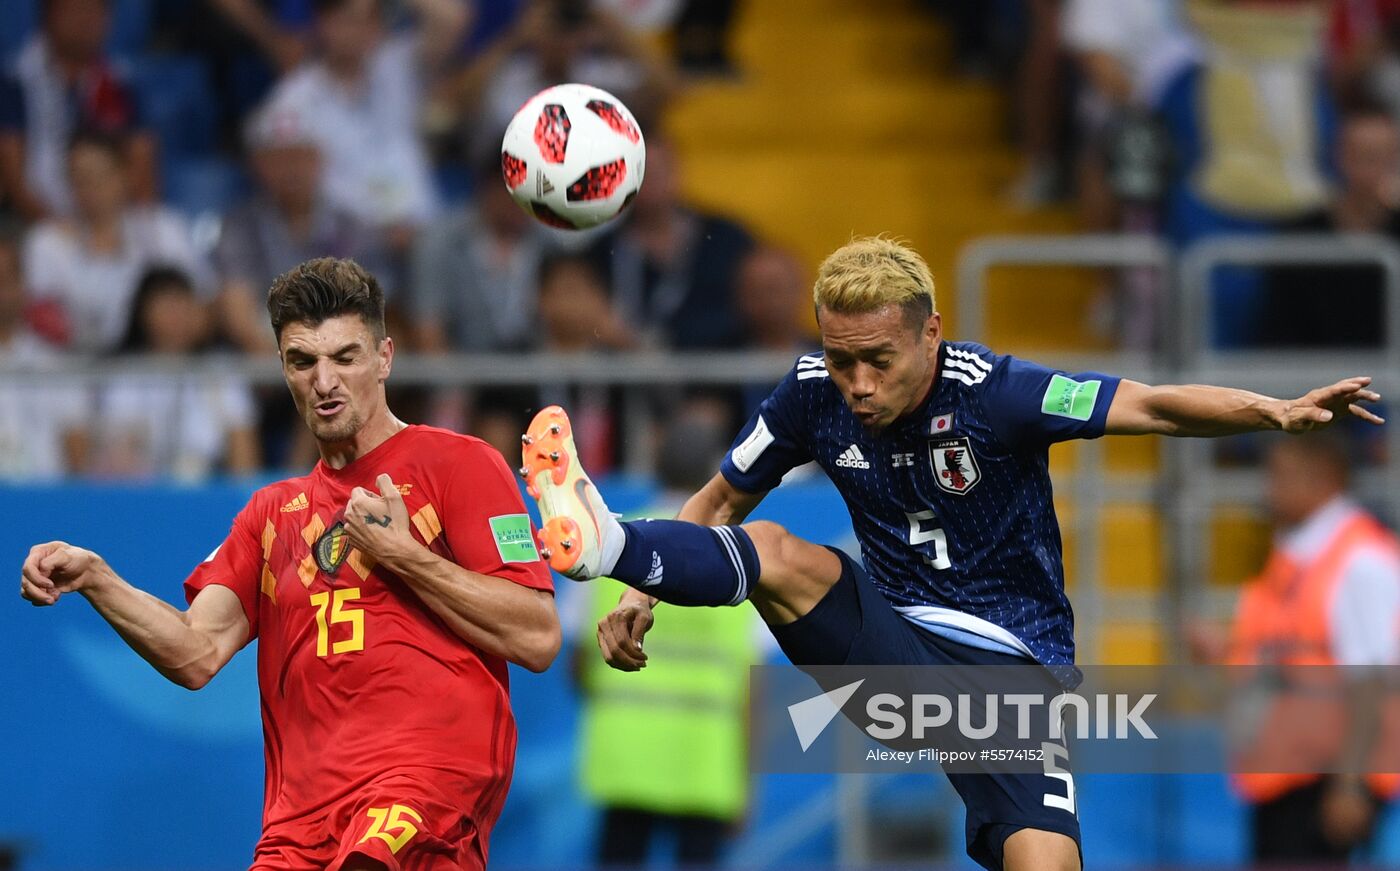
x=1329, y=595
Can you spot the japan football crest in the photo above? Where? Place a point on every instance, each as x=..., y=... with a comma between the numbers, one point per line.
x=954, y=465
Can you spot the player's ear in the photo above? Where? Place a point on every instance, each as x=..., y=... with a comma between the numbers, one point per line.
x=933, y=329
x=386, y=357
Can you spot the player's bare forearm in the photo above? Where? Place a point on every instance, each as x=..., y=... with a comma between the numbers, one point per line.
x=718, y=503
x=1189, y=410
x=1198, y=410
x=159, y=632
x=188, y=647
x=496, y=615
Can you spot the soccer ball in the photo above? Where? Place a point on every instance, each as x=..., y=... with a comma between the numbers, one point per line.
x=573, y=156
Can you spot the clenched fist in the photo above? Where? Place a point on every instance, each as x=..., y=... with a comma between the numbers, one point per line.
x=56, y=568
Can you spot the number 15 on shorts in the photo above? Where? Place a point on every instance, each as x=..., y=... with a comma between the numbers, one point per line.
x=394, y=825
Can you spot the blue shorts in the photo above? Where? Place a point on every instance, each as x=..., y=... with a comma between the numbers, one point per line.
x=854, y=624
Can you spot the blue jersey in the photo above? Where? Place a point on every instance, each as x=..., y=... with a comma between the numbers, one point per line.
x=952, y=502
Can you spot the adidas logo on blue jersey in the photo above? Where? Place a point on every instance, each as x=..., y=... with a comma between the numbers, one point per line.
x=852, y=458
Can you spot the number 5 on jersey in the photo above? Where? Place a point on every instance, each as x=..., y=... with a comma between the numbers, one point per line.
x=921, y=532
x=335, y=600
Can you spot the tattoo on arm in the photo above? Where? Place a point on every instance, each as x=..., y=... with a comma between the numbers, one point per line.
x=377, y=521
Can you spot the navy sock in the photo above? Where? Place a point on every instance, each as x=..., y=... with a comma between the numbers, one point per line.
x=688, y=564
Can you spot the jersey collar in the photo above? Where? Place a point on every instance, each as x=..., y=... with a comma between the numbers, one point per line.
x=916, y=419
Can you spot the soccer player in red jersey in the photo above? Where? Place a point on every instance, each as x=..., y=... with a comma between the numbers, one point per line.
x=388, y=589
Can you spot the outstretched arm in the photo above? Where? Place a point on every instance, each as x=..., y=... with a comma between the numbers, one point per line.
x=1201, y=410
x=188, y=647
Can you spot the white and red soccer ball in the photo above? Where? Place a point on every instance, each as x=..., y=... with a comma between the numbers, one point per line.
x=573, y=156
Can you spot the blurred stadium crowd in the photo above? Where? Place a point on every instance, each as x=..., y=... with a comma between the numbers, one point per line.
x=161, y=161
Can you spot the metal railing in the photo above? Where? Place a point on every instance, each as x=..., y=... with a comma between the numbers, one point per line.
x=1088, y=250
x=1189, y=488
x=1189, y=485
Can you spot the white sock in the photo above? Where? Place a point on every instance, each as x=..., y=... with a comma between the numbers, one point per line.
x=612, y=539
x=611, y=536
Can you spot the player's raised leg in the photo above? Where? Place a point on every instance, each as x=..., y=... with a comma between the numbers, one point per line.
x=674, y=561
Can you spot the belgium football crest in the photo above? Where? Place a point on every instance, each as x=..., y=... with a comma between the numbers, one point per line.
x=331, y=548
x=954, y=465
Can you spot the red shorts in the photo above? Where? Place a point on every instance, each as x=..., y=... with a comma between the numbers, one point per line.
x=398, y=820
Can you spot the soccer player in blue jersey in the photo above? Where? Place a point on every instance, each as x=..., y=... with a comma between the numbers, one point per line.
x=940, y=450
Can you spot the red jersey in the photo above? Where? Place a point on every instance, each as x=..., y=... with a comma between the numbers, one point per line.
x=359, y=679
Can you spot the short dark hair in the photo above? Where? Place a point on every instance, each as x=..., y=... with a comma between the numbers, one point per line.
x=157, y=280
x=325, y=288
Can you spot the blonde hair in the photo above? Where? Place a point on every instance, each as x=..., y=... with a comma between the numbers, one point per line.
x=871, y=272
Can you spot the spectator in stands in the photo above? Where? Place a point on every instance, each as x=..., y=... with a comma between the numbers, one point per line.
x=42, y=422
x=575, y=318
x=673, y=269
x=1126, y=52
x=556, y=41
x=89, y=266
x=360, y=97
x=1343, y=306
x=575, y=314
x=476, y=273
x=265, y=25
x=182, y=424
x=1039, y=101
x=1329, y=594
x=1362, y=52
x=63, y=82
x=287, y=221
x=243, y=45
x=1250, y=124
x=772, y=293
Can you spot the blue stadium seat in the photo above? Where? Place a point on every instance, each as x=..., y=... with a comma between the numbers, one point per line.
x=454, y=183
x=178, y=102
x=131, y=27
x=20, y=18
x=199, y=186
